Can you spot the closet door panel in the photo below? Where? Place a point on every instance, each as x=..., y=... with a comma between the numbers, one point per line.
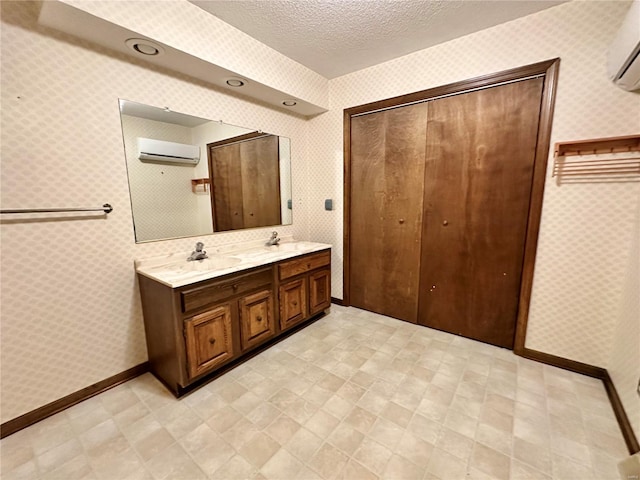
x=478, y=174
x=387, y=165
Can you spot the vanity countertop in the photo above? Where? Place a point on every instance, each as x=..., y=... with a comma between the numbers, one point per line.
x=175, y=271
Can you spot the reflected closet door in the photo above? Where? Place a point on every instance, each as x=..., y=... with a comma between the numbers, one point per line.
x=387, y=177
x=478, y=176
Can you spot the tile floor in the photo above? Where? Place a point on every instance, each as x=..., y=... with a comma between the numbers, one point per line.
x=354, y=396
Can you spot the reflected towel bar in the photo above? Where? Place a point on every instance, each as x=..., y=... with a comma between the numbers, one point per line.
x=106, y=208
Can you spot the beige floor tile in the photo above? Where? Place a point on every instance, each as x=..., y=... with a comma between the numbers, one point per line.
x=490, y=461
x=240, y=433
x=414, y=449
x=59, y=455
x=385, y=399
x=522, y=471
x=361, y=419
x=282, y=465
x=282, y=429
x=496, y=439
x=461, y=423
x=373, y=455
x=322, y=424
x=174, y=462
x=338, y=407
x=455, y=443
x=444, y=466
x=223, y=419
x=346, y=438
x=565, y=468
x=386, y=432
x=75, y=469
x=397, y=414
x=328, y=461
x=24, y=471
x=304, y=444
x=259, y=449
x=537, y=456
x=118, y=399
x=237, y=468
x=263, y=415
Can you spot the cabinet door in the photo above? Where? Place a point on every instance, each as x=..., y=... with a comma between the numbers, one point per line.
x=480, y=157
x=387, y=182
x=256, y=318
x=209, y=340
x=319, y=291
x=293, y=302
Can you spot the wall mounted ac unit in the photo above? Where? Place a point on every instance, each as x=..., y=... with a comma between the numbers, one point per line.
x=624, y=53
x=159, y=151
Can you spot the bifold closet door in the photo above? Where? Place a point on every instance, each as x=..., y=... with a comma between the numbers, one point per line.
x=478, y=175
x=387, y=181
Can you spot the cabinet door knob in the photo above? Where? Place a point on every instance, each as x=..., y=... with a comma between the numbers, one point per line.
x=294, y=303
x=234, y=286
x=445, y=223
x=212, y=341
x=401, y=220
x=308, y=265
x=259, y=318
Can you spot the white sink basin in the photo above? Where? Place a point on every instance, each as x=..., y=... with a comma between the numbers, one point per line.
x=212, y=263
x=289, y=247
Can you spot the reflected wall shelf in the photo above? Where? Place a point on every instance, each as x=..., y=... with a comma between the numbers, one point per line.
x=203, y=182
x=615, y=158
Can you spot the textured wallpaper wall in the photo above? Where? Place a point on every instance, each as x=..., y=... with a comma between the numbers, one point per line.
x=162, y=202
x=70, y=306
x=586, y=229
x=624, y=365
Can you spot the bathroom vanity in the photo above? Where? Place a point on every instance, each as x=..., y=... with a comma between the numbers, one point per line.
x=202, y=315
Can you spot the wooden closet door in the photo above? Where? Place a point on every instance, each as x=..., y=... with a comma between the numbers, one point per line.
x=260, y=182
x=387, y=176
x=226, y=186
x=478, y=175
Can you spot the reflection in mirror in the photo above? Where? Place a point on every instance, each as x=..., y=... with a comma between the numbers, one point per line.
x=190, y=176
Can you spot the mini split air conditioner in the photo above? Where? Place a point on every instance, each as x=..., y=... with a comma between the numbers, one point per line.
x=624, y=53
x=159, y=151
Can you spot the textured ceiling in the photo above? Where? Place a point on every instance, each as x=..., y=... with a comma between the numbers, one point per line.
x=336, y=37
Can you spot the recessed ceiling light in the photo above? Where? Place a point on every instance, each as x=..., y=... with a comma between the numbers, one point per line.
x=144, y=47
x=289, y=103
x=235, y=82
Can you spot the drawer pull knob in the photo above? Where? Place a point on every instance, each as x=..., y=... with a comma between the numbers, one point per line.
x=259, y=318
x=308, y=265
x=212, y=341
x=295, y=304
x=234, y=286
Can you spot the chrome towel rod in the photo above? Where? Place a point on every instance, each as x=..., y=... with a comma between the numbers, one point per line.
x=106, y=208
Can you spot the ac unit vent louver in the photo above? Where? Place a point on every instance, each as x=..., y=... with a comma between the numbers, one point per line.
x=159, y=151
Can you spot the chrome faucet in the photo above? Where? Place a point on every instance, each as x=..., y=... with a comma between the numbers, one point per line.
x=198, y=253
x=274, y=240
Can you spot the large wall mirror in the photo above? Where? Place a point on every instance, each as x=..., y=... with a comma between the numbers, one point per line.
x=190, y=176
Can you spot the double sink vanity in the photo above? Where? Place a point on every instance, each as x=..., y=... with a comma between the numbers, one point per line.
x=202, y=315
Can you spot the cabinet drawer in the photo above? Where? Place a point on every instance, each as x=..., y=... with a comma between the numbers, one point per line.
x=220, y=290
x=297, y=266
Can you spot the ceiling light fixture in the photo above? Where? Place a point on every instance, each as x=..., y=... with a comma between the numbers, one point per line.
x=235, y=82
x=144, y=47
x=289, y=103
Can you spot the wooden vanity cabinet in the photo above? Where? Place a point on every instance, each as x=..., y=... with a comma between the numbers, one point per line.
x=305, y=287
x=196, y=329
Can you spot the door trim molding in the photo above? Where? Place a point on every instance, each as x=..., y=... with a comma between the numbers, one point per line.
x=548, y=69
